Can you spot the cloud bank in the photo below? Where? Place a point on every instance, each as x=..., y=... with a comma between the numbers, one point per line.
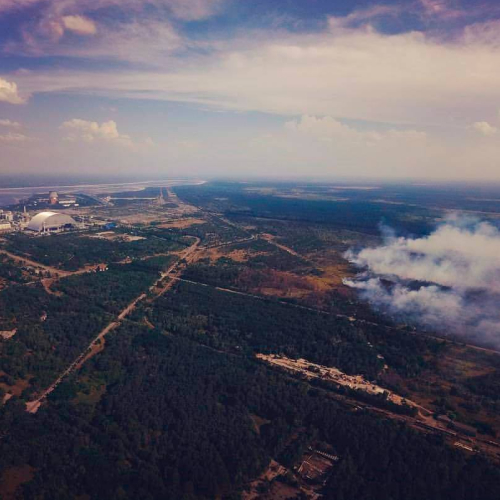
x=448, y=281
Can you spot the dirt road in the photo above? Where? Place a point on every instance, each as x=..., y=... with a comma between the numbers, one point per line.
x=94, y=346
x=33, y=406
x=53, y=270
x=29, y=262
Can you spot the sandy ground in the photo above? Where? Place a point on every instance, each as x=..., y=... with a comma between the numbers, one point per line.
x=181, y=223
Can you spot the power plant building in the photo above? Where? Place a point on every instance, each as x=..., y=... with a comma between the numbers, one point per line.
x=51, y=222
x=53, y=198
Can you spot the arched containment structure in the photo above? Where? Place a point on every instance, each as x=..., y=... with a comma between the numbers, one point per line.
x=48, y=222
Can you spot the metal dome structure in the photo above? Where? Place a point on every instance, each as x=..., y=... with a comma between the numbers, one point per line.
x=48, y=222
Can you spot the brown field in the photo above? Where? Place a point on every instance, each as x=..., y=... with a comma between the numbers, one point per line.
x=258, y=422
x=238, y=255
x=17, y=388
x=93, y=398
x=13, y=478
x=446, y=379
x=181, y=223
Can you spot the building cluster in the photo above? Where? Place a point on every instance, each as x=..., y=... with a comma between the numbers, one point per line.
x=55, y=199
x=43, y=216
x=44, y=222
x=13, y=221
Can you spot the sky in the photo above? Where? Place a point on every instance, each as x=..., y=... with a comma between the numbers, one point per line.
x=401, y=89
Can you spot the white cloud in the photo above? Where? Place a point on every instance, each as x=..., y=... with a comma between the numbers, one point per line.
x=9, y=124
x=356, y=74
x=13, y=138
x=44, y=32
x=182, y=9
x=485, y=128
x=328, y=128
x=9, y=93
x=88, y=131
x=80, y=25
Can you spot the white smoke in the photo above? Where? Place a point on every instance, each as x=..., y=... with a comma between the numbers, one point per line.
x=448, y=281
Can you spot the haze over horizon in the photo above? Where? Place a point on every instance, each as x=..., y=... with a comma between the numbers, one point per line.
x=396, y=89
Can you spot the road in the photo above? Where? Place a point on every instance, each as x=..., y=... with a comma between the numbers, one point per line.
x=33, y=406
x=341, y=316
x=52, y=270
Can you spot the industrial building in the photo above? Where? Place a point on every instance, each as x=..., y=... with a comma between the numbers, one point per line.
x=5, y=226
x=51, y=222
x=53, y=198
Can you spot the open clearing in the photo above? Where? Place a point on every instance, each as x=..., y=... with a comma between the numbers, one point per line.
x=112, y=236
x=181, y=223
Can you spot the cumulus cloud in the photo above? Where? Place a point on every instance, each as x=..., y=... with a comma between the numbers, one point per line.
x=485, y=128
x=13, y=138
x=9, y=124
x=89, y=131
x=9, y=93
x=448, y=281
x=329, y=128
x=80, y=25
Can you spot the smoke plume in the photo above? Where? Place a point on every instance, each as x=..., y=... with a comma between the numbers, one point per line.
x=448, y=281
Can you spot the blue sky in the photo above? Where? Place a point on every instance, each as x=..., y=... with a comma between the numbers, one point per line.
x=284, y=88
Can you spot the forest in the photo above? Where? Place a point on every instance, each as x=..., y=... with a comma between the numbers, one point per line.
x=223, y=320
x=177, y=406
x=71, y=252
x=52, y=329
x=364, y=215
x=173, y=419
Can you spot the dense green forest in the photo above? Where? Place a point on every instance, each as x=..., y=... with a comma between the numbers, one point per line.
x=223, y=320
x=176, y=405
x=365, y=215
x=71, y=251
x=52, y=329
x=10, y=272
x=176, y=421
